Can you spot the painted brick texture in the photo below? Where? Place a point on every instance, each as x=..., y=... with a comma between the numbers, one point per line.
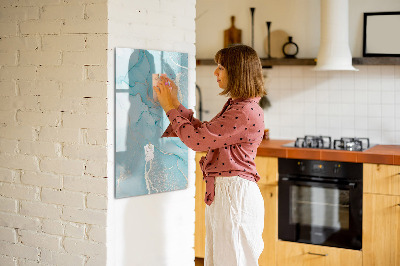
x=53, y=110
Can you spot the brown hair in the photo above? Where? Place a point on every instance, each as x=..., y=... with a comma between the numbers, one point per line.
x=245, y=78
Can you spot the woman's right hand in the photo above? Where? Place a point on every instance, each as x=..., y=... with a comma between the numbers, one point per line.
x=174, y=90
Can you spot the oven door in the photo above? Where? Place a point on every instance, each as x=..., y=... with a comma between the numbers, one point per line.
x=321, y=212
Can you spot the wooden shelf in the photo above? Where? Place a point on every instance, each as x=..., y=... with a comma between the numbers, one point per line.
x=376, y=61
x=312, y=61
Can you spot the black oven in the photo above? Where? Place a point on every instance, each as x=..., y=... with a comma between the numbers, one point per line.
x=320, y=202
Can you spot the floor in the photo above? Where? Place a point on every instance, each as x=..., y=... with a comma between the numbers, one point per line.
x=199, y=262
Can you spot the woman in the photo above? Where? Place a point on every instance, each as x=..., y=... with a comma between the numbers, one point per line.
x=235, y=207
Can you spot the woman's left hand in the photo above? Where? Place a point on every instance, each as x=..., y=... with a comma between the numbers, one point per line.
x=163, y=91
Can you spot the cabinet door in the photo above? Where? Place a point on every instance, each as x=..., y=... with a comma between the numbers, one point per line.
x=200, y=207
x=267, y=168
x=381, y=179
x=381, y=230
x=270, y=233
x=297, y=254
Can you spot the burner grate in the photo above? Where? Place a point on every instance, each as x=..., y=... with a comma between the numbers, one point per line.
x=320, y=142
x=324, y=142
x=351, y=144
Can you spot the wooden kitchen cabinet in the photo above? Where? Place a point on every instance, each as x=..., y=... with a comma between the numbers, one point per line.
x=381, y=230
x=381, y=179
x=381, y=215
x=200, y=207
x=270, y=233
x=267, y=168
x=298, y=254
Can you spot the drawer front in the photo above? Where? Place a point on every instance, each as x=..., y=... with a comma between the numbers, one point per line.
x=381, y=179
x=294, y=254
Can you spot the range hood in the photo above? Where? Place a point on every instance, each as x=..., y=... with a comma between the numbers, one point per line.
x=334, y=51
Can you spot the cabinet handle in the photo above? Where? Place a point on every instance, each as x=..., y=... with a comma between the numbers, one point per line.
x=318, y=254
x=398, y=204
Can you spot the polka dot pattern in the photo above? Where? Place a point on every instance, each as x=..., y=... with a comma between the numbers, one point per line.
x=231, y=139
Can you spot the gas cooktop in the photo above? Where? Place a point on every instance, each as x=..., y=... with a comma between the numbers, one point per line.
x=325, y=142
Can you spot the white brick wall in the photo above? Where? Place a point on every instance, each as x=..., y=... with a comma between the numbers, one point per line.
x=53, y=107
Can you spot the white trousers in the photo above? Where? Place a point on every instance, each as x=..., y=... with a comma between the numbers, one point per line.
x=234, y=223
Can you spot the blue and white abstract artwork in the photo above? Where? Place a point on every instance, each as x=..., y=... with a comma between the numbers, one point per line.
x=145, y=163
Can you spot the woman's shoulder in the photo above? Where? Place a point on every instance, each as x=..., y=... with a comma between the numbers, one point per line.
x=248, y=105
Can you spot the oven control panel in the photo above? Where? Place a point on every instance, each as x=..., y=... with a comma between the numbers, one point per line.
x=331, y=169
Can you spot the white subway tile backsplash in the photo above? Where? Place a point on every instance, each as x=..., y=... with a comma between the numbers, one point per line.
x=308, y=72
x=348, y=77
x=285, y=133
x=310, y=109
x=286, y=120
x=388, y=84
x=284, y=83
x=335, y=95
x=335, y=122
x=322, y=95
x=360, y=133
x=374, y=84
x=388, y=124
x=348, y=96
x=375, y=136
x=334, y=109
x=388, y=97
x=397, y=71
x=297, y=72
x=374, y=123
x=374, y=70
x=397, y=96
x=374, y=97
x=389, y=136
x=310, y=96
x=284, y=72
x=348, y=122
x=322, y=109
x=322, y=83
x=347, y=110
x=310, y=130
x=360, y=97
x=297, y=83
x=322, y=121
x=361, y=123
x=338, y=104
x=387, y=72
x=397, y=110
x=361, y=110
x=348, y=133
x=334, y=81
x=374, y=111
x=297, y=97
x=388, y=110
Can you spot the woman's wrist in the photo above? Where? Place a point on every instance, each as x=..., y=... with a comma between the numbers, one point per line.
x=176, y=104
x=168, y=108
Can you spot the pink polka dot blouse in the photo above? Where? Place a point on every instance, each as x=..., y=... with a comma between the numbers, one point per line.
x=231, y=139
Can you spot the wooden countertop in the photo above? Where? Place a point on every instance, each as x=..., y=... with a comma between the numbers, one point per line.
x=379, y=154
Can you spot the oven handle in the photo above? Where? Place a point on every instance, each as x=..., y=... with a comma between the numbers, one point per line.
x=297, y=181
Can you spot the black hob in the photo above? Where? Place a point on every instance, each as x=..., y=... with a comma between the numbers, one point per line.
x=325, y=142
